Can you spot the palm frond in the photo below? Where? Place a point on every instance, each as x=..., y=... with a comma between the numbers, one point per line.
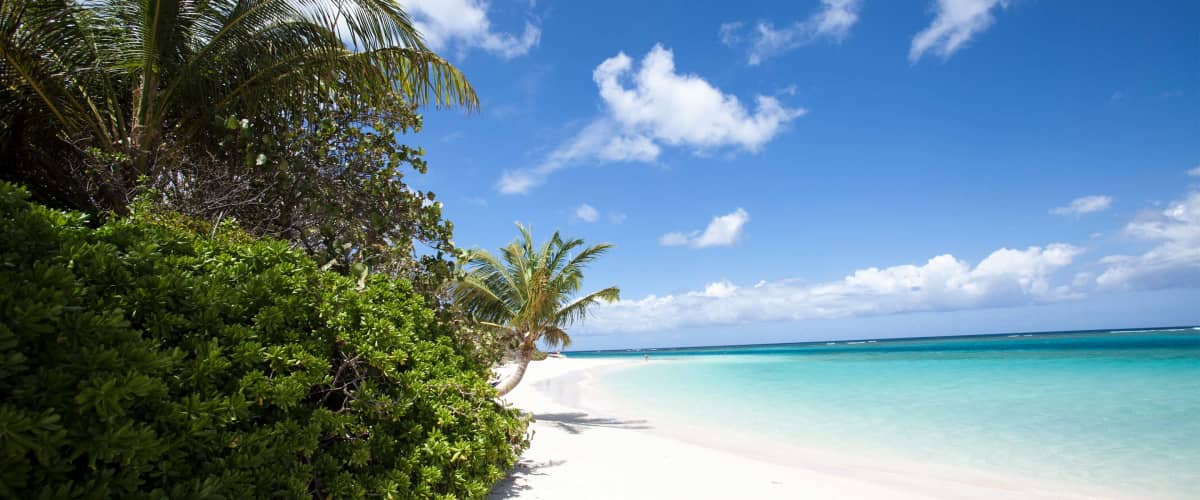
x=111, y=71
x=569, y=278
x=578, y=309
x=536, y=284
x=556, y=338
x=46, y=47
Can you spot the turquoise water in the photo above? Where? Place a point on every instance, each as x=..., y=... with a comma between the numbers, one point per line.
x=1118, y=410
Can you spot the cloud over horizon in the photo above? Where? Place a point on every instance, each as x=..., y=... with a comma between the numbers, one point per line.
x=1174, y=261
x=654, y=106
x=1006, y=277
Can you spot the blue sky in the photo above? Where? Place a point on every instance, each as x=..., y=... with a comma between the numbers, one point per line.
x=835, y=169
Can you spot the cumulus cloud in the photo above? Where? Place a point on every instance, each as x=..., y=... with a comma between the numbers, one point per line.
x=832, y=21
x=1084, y=205
x=653, y=106
x=587, y=213
x=1195, y=172
x=1007, y=277
x=464, y=24
x=719, y=289
x=954, y=24
x=681, y=109
x=723, y=230
x=1174, y=261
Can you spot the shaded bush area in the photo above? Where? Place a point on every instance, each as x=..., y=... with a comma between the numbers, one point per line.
x=154, y=356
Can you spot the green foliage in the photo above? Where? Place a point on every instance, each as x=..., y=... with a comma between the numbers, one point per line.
x=332, y=182
x=532, y=289
x=96, y=94
x=140, y=359
x=529, y=294
x=284, y=115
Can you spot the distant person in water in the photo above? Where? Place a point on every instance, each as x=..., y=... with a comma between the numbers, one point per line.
x=646, y=356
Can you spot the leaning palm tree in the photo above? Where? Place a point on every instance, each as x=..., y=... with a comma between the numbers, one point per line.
x=529, y=294
x=114, y=78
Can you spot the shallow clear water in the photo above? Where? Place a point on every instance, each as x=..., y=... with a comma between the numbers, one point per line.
x=1118, y=410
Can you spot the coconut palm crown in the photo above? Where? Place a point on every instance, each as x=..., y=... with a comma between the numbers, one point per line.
x=79, y=60
x=118, y=76
x=531, y=292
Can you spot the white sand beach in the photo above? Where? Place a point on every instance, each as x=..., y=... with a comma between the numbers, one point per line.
x=578, y=453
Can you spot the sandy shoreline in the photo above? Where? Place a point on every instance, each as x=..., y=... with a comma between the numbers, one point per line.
x=600, y=450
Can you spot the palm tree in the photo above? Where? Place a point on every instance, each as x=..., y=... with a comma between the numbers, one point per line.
x=116, y=76
x=529, y=295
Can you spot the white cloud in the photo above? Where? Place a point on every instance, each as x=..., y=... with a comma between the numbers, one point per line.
x=1173, y=262
x=955, y=23
x=833, y=21
x=464, y=24
x=682, y=109
x=520, y=181
x=636, y=148
x=656, y=106
x=1007, y=277
x=1195, y=172
x=587, y=213
x=730, y=33
x=673, y=239
x=719, y=289
x=599, y=140
x=1084, y=205
x=617, y=217
x=723, y=230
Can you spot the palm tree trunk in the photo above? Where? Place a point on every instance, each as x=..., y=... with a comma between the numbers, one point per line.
x=524, y=356
x=143, y=130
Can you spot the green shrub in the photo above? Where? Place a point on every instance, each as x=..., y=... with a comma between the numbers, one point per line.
x=142, y=359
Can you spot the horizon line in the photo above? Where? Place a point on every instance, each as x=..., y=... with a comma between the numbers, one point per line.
x=882, y=339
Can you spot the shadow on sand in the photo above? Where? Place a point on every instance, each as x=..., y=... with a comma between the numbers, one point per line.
x=571, y=422
x=514, y=484
x=576, y=422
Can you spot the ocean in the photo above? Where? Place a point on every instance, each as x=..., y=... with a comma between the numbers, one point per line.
x=1117, y=410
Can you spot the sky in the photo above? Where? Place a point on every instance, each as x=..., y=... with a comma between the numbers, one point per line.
x=834, y=169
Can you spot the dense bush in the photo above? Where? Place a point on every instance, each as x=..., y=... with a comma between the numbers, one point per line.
x=144, y=359
x=333, y=182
